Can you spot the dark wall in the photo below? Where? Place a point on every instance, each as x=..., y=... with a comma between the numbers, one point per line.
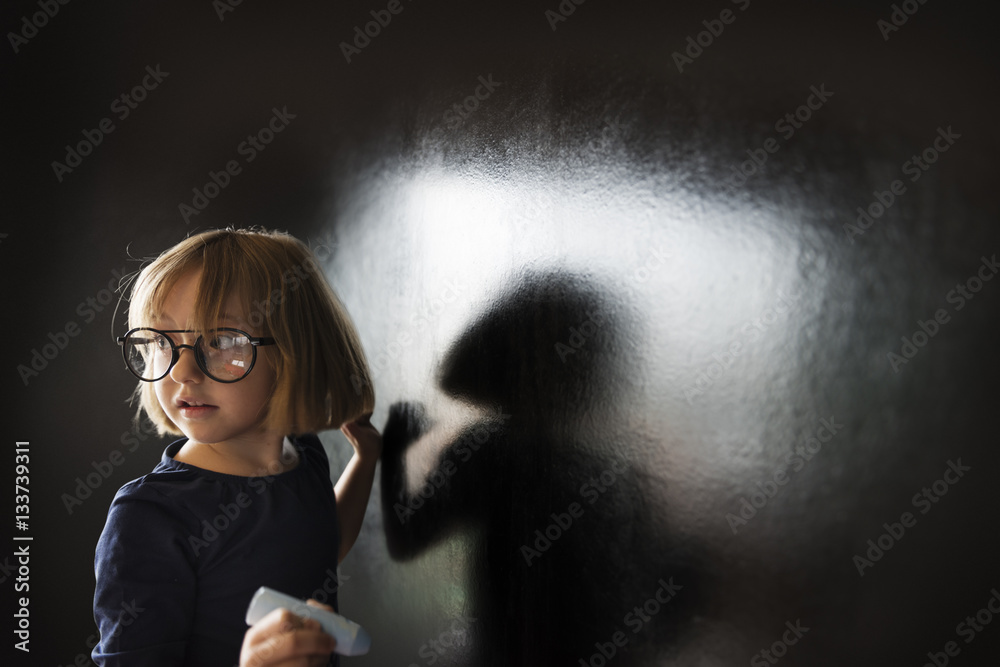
x=709, y=386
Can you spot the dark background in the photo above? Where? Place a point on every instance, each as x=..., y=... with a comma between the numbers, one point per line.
x=595, y=177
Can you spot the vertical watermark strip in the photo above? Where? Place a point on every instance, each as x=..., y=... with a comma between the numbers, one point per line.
x=22, y=552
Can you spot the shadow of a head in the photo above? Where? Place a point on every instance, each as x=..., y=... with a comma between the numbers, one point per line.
x=545, y=344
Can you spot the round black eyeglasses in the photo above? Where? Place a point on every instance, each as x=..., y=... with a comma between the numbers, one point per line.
x=223, y=354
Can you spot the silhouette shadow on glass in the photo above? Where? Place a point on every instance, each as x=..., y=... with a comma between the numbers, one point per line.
x=569, y=559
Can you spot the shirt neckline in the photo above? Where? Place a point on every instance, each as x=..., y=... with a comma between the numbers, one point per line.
x=167, y=460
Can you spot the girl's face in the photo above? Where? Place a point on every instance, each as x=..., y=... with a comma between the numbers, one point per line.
x=230, y=413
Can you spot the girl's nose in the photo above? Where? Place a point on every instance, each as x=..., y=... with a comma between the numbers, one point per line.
x=186, y=369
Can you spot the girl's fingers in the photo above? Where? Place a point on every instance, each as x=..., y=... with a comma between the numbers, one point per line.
x=296, y=647
x=359, y=428
x=282, y=638
x=315, y=603
x=363, y=436
x=269, y=625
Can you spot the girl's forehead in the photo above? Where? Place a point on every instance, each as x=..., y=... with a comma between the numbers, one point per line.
x=178, y=304
x=226, y=319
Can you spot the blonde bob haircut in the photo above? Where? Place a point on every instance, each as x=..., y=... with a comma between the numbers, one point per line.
x=322, y=377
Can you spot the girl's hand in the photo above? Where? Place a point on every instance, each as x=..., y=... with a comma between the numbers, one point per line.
x=282, y=638
x=364, y=437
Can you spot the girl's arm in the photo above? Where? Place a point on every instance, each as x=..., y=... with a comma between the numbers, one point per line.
x=144, y=600
x=355, y=483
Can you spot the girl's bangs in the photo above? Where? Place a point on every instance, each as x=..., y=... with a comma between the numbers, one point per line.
x=159, y=278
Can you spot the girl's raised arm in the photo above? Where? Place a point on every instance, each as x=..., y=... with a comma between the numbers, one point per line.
x=355, y=483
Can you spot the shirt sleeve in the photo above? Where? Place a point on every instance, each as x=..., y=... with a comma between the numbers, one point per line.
x=145, y=596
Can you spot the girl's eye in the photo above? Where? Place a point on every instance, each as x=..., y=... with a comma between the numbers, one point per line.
x=221, y=342
x=160, y=342
x=225, y=341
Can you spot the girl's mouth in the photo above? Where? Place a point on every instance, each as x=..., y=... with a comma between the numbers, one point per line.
x=191, y=408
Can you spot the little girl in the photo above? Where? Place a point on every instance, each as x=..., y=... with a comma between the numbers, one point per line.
x=242, y=347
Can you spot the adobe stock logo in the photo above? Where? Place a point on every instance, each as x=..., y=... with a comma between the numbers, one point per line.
x=786, y=126
x=898, y=18
x=221, y=7
x=635, y=620
x=249, y=148
x=470, y=443
x=457, y=635
x=38, y=20
x=122, y=106
x=779, y=648
x=795, y=461
x=566, y=9
x=579, y=336
x=372, y=29
x=751, y=331
x=461, y=110
x=563, y=521
x=967, y=628
x=713, y=30
x=43, y=355
x=962, y=293
x=427, y=316
x=915, y=167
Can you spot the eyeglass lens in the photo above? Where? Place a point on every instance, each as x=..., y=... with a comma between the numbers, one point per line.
x=222, y=355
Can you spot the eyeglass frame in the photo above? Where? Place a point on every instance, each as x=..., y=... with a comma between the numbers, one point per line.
x=175, y=351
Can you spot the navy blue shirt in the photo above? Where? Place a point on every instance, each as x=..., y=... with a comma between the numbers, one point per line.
x=185, y=548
